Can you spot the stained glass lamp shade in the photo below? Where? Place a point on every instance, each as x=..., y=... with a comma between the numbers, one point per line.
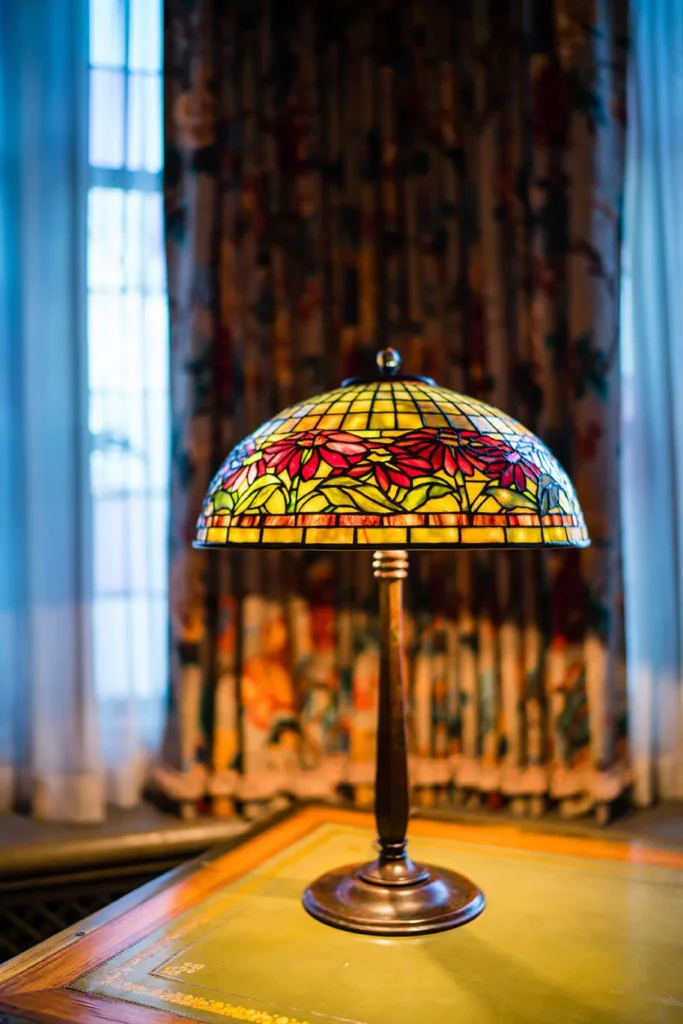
x=392, y=464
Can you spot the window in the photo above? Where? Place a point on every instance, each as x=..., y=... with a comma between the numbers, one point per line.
x=127, y=331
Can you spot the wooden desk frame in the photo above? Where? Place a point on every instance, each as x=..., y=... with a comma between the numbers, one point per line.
x=34, y=986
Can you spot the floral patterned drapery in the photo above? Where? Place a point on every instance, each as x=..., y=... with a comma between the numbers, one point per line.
x=446, y=178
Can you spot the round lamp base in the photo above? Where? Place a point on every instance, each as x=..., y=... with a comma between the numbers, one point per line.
x=393, y=899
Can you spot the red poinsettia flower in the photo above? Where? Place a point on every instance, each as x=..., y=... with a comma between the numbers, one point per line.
x=246, y=464
x=391, y=465
x=250, y=472
x=450, y=450
x=509, y=465
x=303, y=452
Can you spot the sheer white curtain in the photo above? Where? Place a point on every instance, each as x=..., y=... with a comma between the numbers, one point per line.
x=82, y=399
x=652, y=344
x=49, y=743
x=128, y=385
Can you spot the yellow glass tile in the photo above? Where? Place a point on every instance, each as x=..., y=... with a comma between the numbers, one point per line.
x=489, y=505
x=435, y=535
x=339, y=407
x=308, y=423
x=282, y=535
x=382, y=535
x=408, y=420
x=446, y=503
x=474, y=489
x=483, y=535
x=435, y=419
x=291, y=424
x=217, y=535
x=329, y=535
x=355, y=421
x=244, y=535
x=315, y=503
x=459, y=422
x=330, y=422
x=383, y=419
x=362, y=405
x=382, y=406
x=524, y=535
x=555, y=534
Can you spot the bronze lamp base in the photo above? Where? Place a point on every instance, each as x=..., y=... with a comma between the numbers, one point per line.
x=392, y=895
x=409, y=900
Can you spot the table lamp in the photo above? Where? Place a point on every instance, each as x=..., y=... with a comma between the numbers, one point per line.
x=392, y=463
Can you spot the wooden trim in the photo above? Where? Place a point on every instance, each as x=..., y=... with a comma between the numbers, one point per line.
x=64, y=965
x=11, y=968
x=515, y=838
x=67, y=1006
x=34, y=984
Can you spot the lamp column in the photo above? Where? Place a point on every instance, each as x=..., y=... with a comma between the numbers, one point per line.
x=392, y=793
x=391, y=895
x=392, y=789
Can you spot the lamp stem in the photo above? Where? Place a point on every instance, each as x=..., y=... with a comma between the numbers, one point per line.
x=392, y=895
x=392, y=796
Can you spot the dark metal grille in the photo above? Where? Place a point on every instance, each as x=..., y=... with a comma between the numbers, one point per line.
x=32, y=912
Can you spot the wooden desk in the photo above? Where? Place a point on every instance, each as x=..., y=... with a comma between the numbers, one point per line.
x=576, y=929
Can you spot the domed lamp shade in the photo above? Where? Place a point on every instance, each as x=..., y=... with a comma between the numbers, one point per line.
x=392, y=463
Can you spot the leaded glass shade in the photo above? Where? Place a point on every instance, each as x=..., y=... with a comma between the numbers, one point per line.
x=396, y=462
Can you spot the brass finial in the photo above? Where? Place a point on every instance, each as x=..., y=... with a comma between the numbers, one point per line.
x=389, y=361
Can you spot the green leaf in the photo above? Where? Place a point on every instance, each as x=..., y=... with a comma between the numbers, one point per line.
x=345, y=481
x=265, y=481
x=371, y=499
x=262, y=495
x=337, y=496
x=258, y=493
x=415, y=497
x=223, y=499
x=423, y=490
x=438, y=490
x=314, y=502
x=509, y=499
x=367, y=498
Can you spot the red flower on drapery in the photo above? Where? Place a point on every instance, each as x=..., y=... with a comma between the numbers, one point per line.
x=508, y=465
x=303, y=452
x=389, y=465
x=449, y=450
